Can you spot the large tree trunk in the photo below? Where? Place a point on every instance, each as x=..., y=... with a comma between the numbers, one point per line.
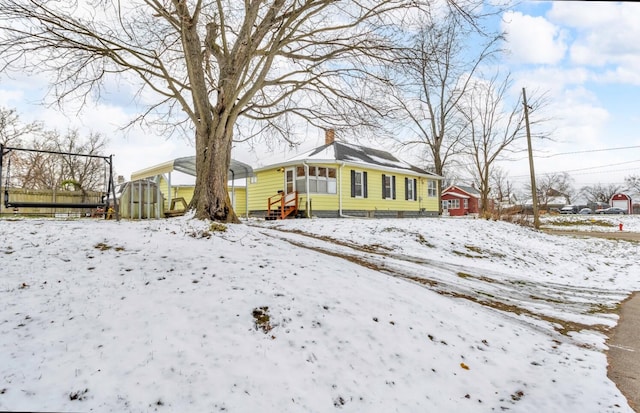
x=439, y=170
x=213, y=156
x=214, y=127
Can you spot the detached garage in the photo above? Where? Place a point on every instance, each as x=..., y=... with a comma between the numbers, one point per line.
x=622, y=201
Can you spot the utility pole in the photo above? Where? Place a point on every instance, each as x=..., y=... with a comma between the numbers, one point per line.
x=534, y=189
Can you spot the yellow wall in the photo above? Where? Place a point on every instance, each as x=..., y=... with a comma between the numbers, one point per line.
x=186, y=192
x=264, y=185
x=374, y=200
x=177, y=191
x=239, y=203
x=268, y=182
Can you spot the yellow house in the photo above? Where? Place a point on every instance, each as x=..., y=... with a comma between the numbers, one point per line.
x=343, y=180
x=335, y=180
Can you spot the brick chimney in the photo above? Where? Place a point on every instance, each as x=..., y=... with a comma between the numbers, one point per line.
x=329, y=136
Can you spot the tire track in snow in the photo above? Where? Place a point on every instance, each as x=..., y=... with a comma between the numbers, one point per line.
x=565, y=308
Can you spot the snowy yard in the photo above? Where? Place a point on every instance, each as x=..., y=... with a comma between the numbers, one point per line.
x=322, y=315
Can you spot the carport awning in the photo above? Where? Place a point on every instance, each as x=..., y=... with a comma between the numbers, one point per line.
x=187, y=165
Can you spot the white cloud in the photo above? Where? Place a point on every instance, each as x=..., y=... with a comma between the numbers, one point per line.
x=606, y=33
x=551, y=79
x=7, y=97
x=533, y=39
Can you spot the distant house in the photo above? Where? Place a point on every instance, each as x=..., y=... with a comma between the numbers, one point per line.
x=459, y=200
x=343, y=180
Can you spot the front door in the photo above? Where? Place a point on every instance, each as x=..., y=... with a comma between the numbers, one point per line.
x=289, y=180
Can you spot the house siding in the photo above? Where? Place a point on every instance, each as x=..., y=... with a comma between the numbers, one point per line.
x=186, y=192
x=264, y=185
x=269, y=181
x=239, y=199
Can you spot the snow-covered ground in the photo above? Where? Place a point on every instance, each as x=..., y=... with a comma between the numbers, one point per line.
x=321, y=315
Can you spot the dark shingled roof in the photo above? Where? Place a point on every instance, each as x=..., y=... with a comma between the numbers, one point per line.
x=360, y=154
x=468, y=189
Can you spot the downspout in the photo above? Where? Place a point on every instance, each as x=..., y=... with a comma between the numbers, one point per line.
x=169, y=189
x=340, y=191
x=340, y=214
x=158, y=195
x=246, y=193
x=233, y=189
x=306, y=174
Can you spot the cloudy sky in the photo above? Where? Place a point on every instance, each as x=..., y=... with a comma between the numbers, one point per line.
x=584, y=55
x=587, y=57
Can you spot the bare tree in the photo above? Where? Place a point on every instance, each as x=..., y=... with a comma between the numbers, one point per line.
x=43, y=170
x=436, y=73
x=552, y=185
x=502, y=189
x=632, y=182
x=82, y=173
x=208, y=64
x=600, y=192
x=493, y=129
x=12, y=129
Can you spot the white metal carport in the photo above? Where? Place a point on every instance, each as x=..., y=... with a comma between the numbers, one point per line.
x=187, y=165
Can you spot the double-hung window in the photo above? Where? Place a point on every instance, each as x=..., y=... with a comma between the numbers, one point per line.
x=432, y=189
x=410, y=189
x=358, y=184
x=388, y=187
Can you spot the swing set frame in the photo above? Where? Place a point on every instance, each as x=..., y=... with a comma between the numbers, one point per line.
x=104, y=203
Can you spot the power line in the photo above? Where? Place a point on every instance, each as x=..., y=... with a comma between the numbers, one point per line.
x=621, y=148
x=589, y=169
x=588, y=151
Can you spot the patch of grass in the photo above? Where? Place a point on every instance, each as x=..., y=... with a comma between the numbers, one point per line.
x=475, y=249
x=422, y=240
x=105, y=247
x=465, y=254
x=200, y=234
x=464, y=275
x=375, y=247
x=217, y=227
x=262, y=319
x=482, y=253
x=604, y=308
x=517, y=395
x=78, y=395
x=581, y=222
